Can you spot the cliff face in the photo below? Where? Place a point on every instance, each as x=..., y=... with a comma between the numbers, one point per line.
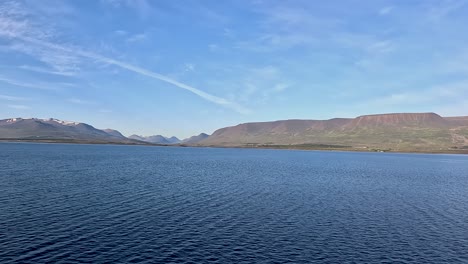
x=396, y=131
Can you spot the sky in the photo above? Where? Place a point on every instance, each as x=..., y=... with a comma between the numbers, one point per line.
x=182, y=67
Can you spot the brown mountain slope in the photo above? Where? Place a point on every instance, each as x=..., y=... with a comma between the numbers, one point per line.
x=458, y=120
x=405, y=131
x=35, y=129
x=398, y=120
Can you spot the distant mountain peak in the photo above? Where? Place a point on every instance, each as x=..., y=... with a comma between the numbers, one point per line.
x=113, y=132
x=195, y=139
x=66, y=123
x=157, y=139
x=55, y=129
x=12, y=120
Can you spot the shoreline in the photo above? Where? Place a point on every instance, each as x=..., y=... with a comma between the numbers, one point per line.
x=275, y=147
x=360, y=150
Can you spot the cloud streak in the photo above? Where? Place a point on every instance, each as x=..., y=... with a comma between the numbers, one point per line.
x=135, y=69
x=19, y=107
x=386, y=10
x=25, y=84
x=449, y=92
x=142, y=7
x=45, y=70
x=66, y=58
x=137, y=38
x=80, y=101
x=12, y=98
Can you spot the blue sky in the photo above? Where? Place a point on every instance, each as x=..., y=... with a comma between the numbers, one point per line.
x=185, y=67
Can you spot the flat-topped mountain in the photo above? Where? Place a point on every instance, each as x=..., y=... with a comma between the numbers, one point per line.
x=54, y=129
x=398, y=131
x=399, y=120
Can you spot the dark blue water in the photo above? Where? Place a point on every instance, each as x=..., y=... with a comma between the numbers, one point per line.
x=130, y=204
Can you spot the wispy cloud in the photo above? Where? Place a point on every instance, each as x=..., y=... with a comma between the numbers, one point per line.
x=284, y=26
x=148, y=73
x=443, y=8
x=455, y=63
x=381, y=47
x=189, y=67
x=12, y=98
x=258, y=84
x=213, y=47
x=137, y=37
x=281, y=87
x=142, y=7
x=455, y=109
x=16, y=27
x=449, y=93
x=386, y=10
x=80, y=101
x=26, y=84
x=15, y=20
x=19, y=107
x=142, y=71
x=45, y=70
x=120, y=32
x=63, y=63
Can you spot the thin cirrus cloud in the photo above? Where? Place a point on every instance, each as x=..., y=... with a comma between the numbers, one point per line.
x=386, y=10
x=432, y=95
x=137, y=38
x=19, y=107
x=139, y=70
x=26, y=84
x=45, y=70
x=80, y=101
x=65, y=58
x=12, y=98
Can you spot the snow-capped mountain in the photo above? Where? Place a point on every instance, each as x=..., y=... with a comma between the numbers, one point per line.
x=66, y=123
x=55, y=129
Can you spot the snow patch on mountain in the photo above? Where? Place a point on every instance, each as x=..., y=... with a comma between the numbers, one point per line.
x=62, y=122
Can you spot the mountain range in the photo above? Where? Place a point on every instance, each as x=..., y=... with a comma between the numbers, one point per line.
x=54, y=130
x=195, y=139
x=58, y=130
x=396, y=132
x=158, y=139
x=425, y=132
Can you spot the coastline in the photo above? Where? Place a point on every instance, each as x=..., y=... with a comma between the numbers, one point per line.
x=287, y=147
x=303, y=147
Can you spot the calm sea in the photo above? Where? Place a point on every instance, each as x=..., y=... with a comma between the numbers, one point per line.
x=134, y=204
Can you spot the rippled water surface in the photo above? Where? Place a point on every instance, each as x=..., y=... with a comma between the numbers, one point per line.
x=133, y=204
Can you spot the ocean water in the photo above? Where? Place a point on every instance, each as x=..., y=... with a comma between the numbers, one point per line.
x=133, y=204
